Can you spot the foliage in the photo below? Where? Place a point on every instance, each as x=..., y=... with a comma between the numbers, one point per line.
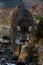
x=38, y=17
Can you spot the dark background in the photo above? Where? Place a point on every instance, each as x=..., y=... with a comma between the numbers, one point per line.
x=14, y=3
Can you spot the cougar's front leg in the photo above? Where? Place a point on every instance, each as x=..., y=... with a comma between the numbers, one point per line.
x=23, y=54
x=16, y=50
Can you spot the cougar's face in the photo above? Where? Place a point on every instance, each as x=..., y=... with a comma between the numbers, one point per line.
x=24, y=32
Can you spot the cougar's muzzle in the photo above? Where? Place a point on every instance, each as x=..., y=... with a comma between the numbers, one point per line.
x=24, y=34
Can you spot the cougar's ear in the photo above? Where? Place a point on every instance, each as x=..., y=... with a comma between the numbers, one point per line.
x=18, y=28
x=30, y=28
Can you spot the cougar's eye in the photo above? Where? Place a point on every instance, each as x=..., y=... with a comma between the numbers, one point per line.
x=18, y=28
